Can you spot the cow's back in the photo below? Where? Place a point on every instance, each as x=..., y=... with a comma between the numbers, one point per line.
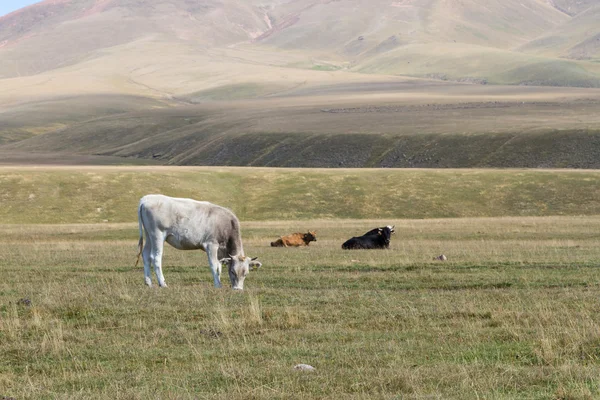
x=158, y=210
x=353, y=243
x=295, y=239
x=191, y=222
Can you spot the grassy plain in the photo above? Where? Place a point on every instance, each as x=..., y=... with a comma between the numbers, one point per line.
x=83, y=194
x=512, y=314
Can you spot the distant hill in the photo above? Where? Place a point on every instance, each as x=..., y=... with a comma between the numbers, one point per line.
x=579, y=38
x=572, y=7
x=360, y=125
x=146, y=47
x=165, y=81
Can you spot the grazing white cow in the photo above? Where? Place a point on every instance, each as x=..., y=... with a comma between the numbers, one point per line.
x=188, y=224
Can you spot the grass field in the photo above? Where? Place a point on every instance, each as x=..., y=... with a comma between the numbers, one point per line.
x=32, y=195
x=512, y=314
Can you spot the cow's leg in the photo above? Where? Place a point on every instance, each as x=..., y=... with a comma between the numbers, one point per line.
x=212, y=250
x=158, y=243
x=147, y=256
x=158, y=265
x=219, y=268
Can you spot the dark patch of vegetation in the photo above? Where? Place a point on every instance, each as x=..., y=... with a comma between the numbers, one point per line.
x=486, y=134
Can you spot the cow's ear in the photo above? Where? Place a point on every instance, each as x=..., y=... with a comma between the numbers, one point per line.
x=255, y=265
x=225, y=260
x=252, y=259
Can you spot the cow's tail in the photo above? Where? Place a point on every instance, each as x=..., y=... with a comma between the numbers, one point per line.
x=141, y=241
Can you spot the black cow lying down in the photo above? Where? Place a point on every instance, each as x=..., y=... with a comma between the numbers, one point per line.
x=378, y=238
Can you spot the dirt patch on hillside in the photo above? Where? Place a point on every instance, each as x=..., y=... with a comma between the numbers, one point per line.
x=446, y=107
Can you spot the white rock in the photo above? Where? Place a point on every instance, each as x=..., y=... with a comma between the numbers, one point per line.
x=304, y=367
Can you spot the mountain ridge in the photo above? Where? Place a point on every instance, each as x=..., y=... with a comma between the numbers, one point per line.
x=346, y=34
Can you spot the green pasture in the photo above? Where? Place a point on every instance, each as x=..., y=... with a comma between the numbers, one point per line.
x=111, y=194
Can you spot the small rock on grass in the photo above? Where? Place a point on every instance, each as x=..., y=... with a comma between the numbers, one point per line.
x=304, y=367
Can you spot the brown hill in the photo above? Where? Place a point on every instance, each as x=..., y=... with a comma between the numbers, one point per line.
x=579, y=38
x=377, y=125
x=205, y=43
x=572, y=7
x=58, y=33
x=103, y=76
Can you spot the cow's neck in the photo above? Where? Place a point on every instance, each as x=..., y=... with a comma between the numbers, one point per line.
x=235, y=248
x=234, y=244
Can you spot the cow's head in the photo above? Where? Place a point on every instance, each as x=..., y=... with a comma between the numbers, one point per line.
x=386, y=233
x=311, y=236
x=238, y=267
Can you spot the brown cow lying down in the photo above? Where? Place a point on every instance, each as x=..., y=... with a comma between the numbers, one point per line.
x=295, y=240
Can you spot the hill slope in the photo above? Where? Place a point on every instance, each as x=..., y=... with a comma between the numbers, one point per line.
x=579, y=38
x=332, y=82
x=152, y=48
x=384, y=126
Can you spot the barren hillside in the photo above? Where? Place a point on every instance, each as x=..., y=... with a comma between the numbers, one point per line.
x=579, y=38
x=73, y=71
x=401, y=124
x=115, y=43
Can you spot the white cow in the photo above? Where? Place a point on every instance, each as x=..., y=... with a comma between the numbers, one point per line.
x=188, y=224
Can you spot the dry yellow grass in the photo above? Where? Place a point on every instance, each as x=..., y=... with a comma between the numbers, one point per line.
x=511, y=314
x=111, y=194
